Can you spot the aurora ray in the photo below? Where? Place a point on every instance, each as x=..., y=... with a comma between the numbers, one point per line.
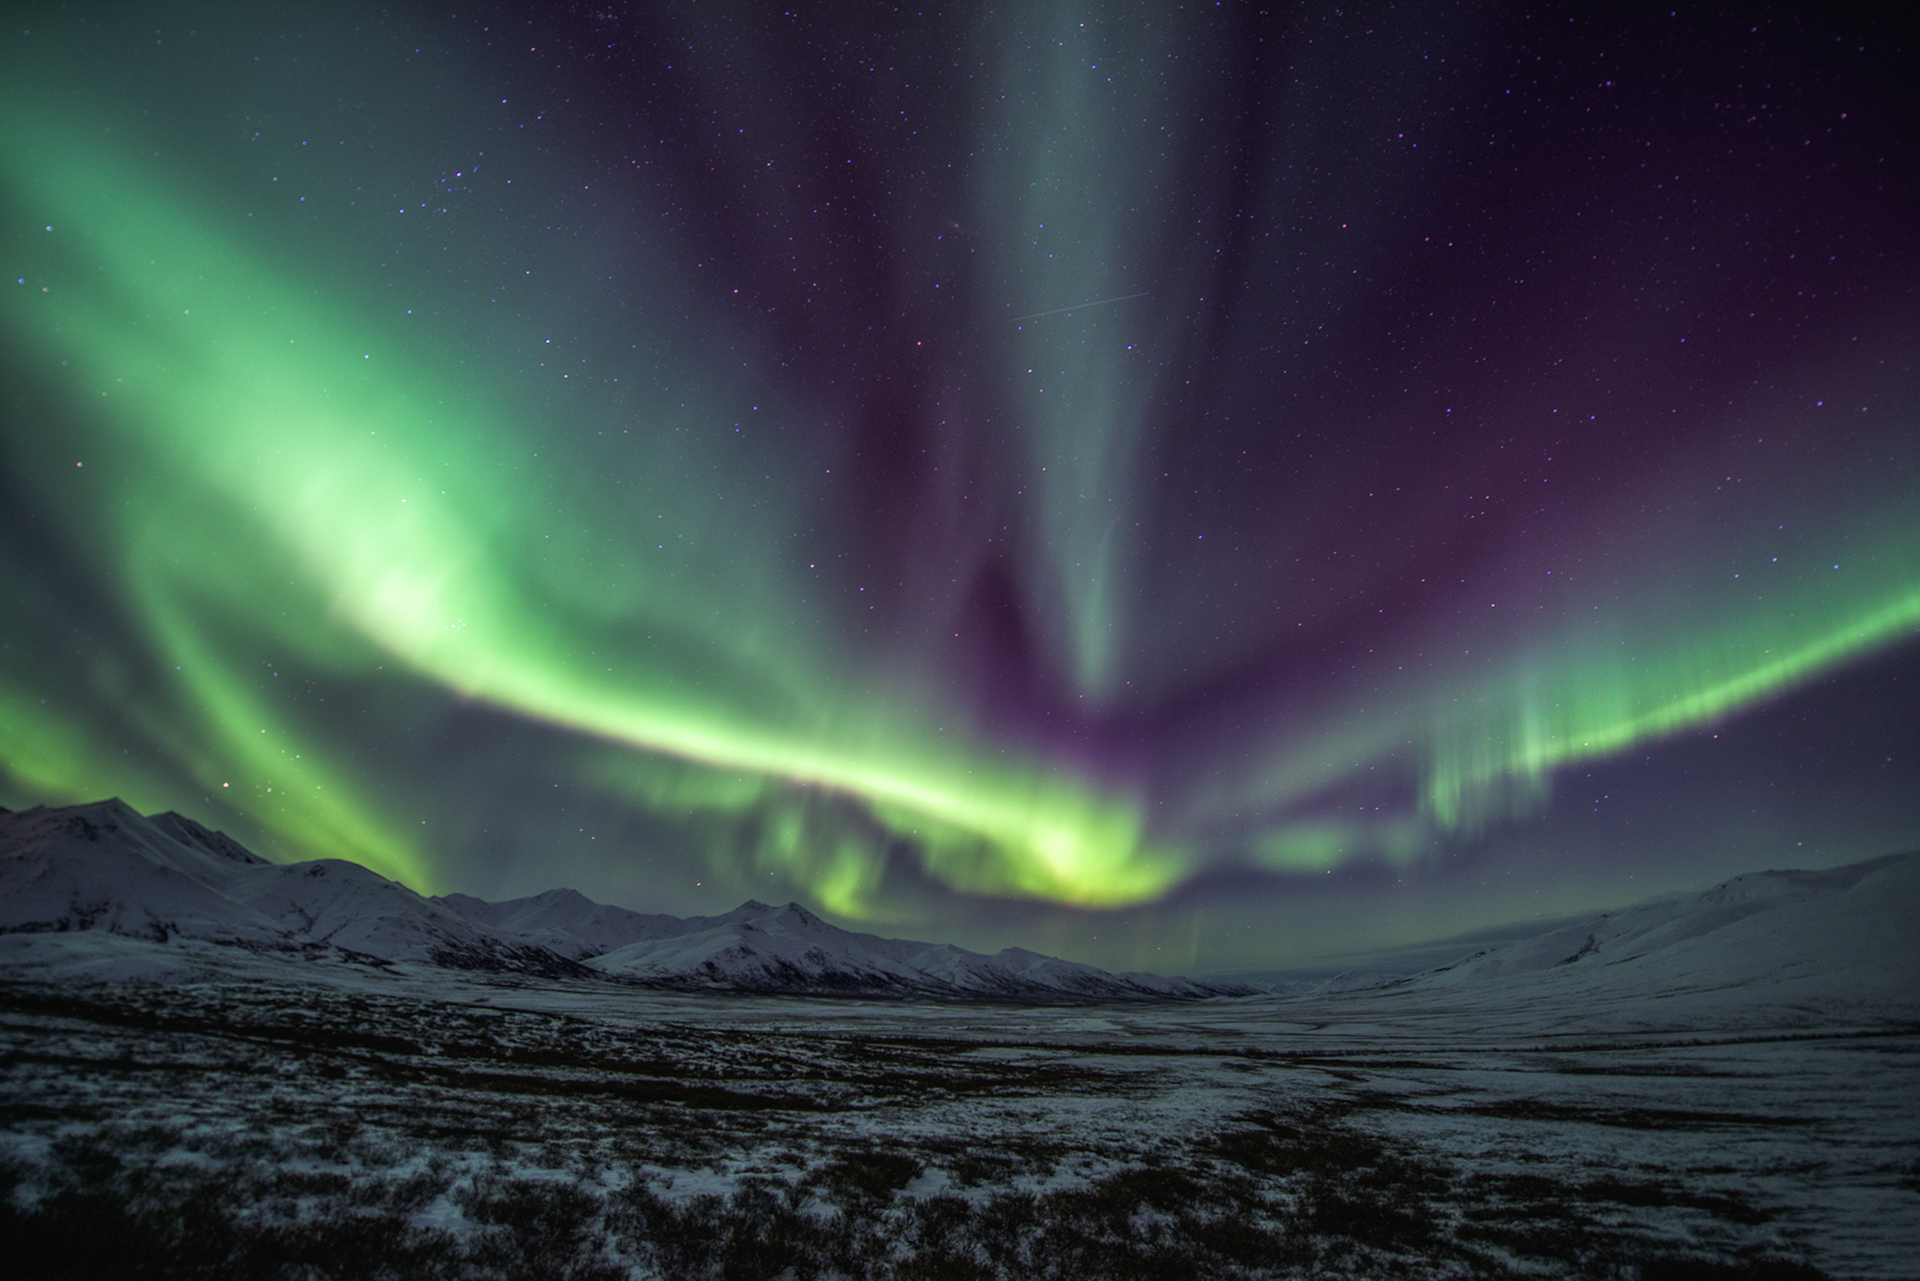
x=1191, y=503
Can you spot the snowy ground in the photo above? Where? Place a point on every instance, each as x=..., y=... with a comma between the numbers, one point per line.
x=380, y=1124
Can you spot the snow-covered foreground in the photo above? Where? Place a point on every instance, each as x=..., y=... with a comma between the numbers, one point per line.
x=215, y=1066
x=371, y=1123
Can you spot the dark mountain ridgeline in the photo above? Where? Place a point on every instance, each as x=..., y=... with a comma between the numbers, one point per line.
x=107, y=869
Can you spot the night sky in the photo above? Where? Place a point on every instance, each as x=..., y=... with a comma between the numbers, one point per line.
x=1189, y=488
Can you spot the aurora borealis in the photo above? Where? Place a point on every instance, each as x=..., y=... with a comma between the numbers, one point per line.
x=668, y=451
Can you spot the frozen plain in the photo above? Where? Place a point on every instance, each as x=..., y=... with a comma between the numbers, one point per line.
x=1718, y=1086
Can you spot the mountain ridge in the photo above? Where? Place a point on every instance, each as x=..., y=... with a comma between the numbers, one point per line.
x=156, y=880
x=145, y=891
x=1801, y=944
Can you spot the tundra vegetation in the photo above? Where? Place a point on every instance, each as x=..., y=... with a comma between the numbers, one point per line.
x=522, y=1130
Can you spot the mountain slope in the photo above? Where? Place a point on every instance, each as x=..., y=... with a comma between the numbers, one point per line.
x=757, y=947
x=564, y=921
x=126, y=882
x=1617, y=937
x=105, y=867
x=1804, y=944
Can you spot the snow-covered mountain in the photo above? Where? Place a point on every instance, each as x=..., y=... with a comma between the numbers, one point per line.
x=105, y=867
x=564, y=921
x=759, y=947
x=1764, y=925
x=130, y=883
x=138, y=888
x=1812, y=941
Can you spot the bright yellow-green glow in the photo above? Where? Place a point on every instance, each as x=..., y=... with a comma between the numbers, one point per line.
x=361, y=479
x=302, y=471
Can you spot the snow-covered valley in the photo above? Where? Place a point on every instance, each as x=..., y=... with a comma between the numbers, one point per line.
x=1718, y=1085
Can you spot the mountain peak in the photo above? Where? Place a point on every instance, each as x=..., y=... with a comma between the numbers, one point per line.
x=104, y=868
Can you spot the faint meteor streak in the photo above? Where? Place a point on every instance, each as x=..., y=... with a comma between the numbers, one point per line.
x=1077, y=306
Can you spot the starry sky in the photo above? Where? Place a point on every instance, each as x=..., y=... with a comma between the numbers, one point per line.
x=1196, y=488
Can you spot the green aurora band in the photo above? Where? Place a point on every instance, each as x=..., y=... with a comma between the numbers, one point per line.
x=282, y=461
x=221, y=377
